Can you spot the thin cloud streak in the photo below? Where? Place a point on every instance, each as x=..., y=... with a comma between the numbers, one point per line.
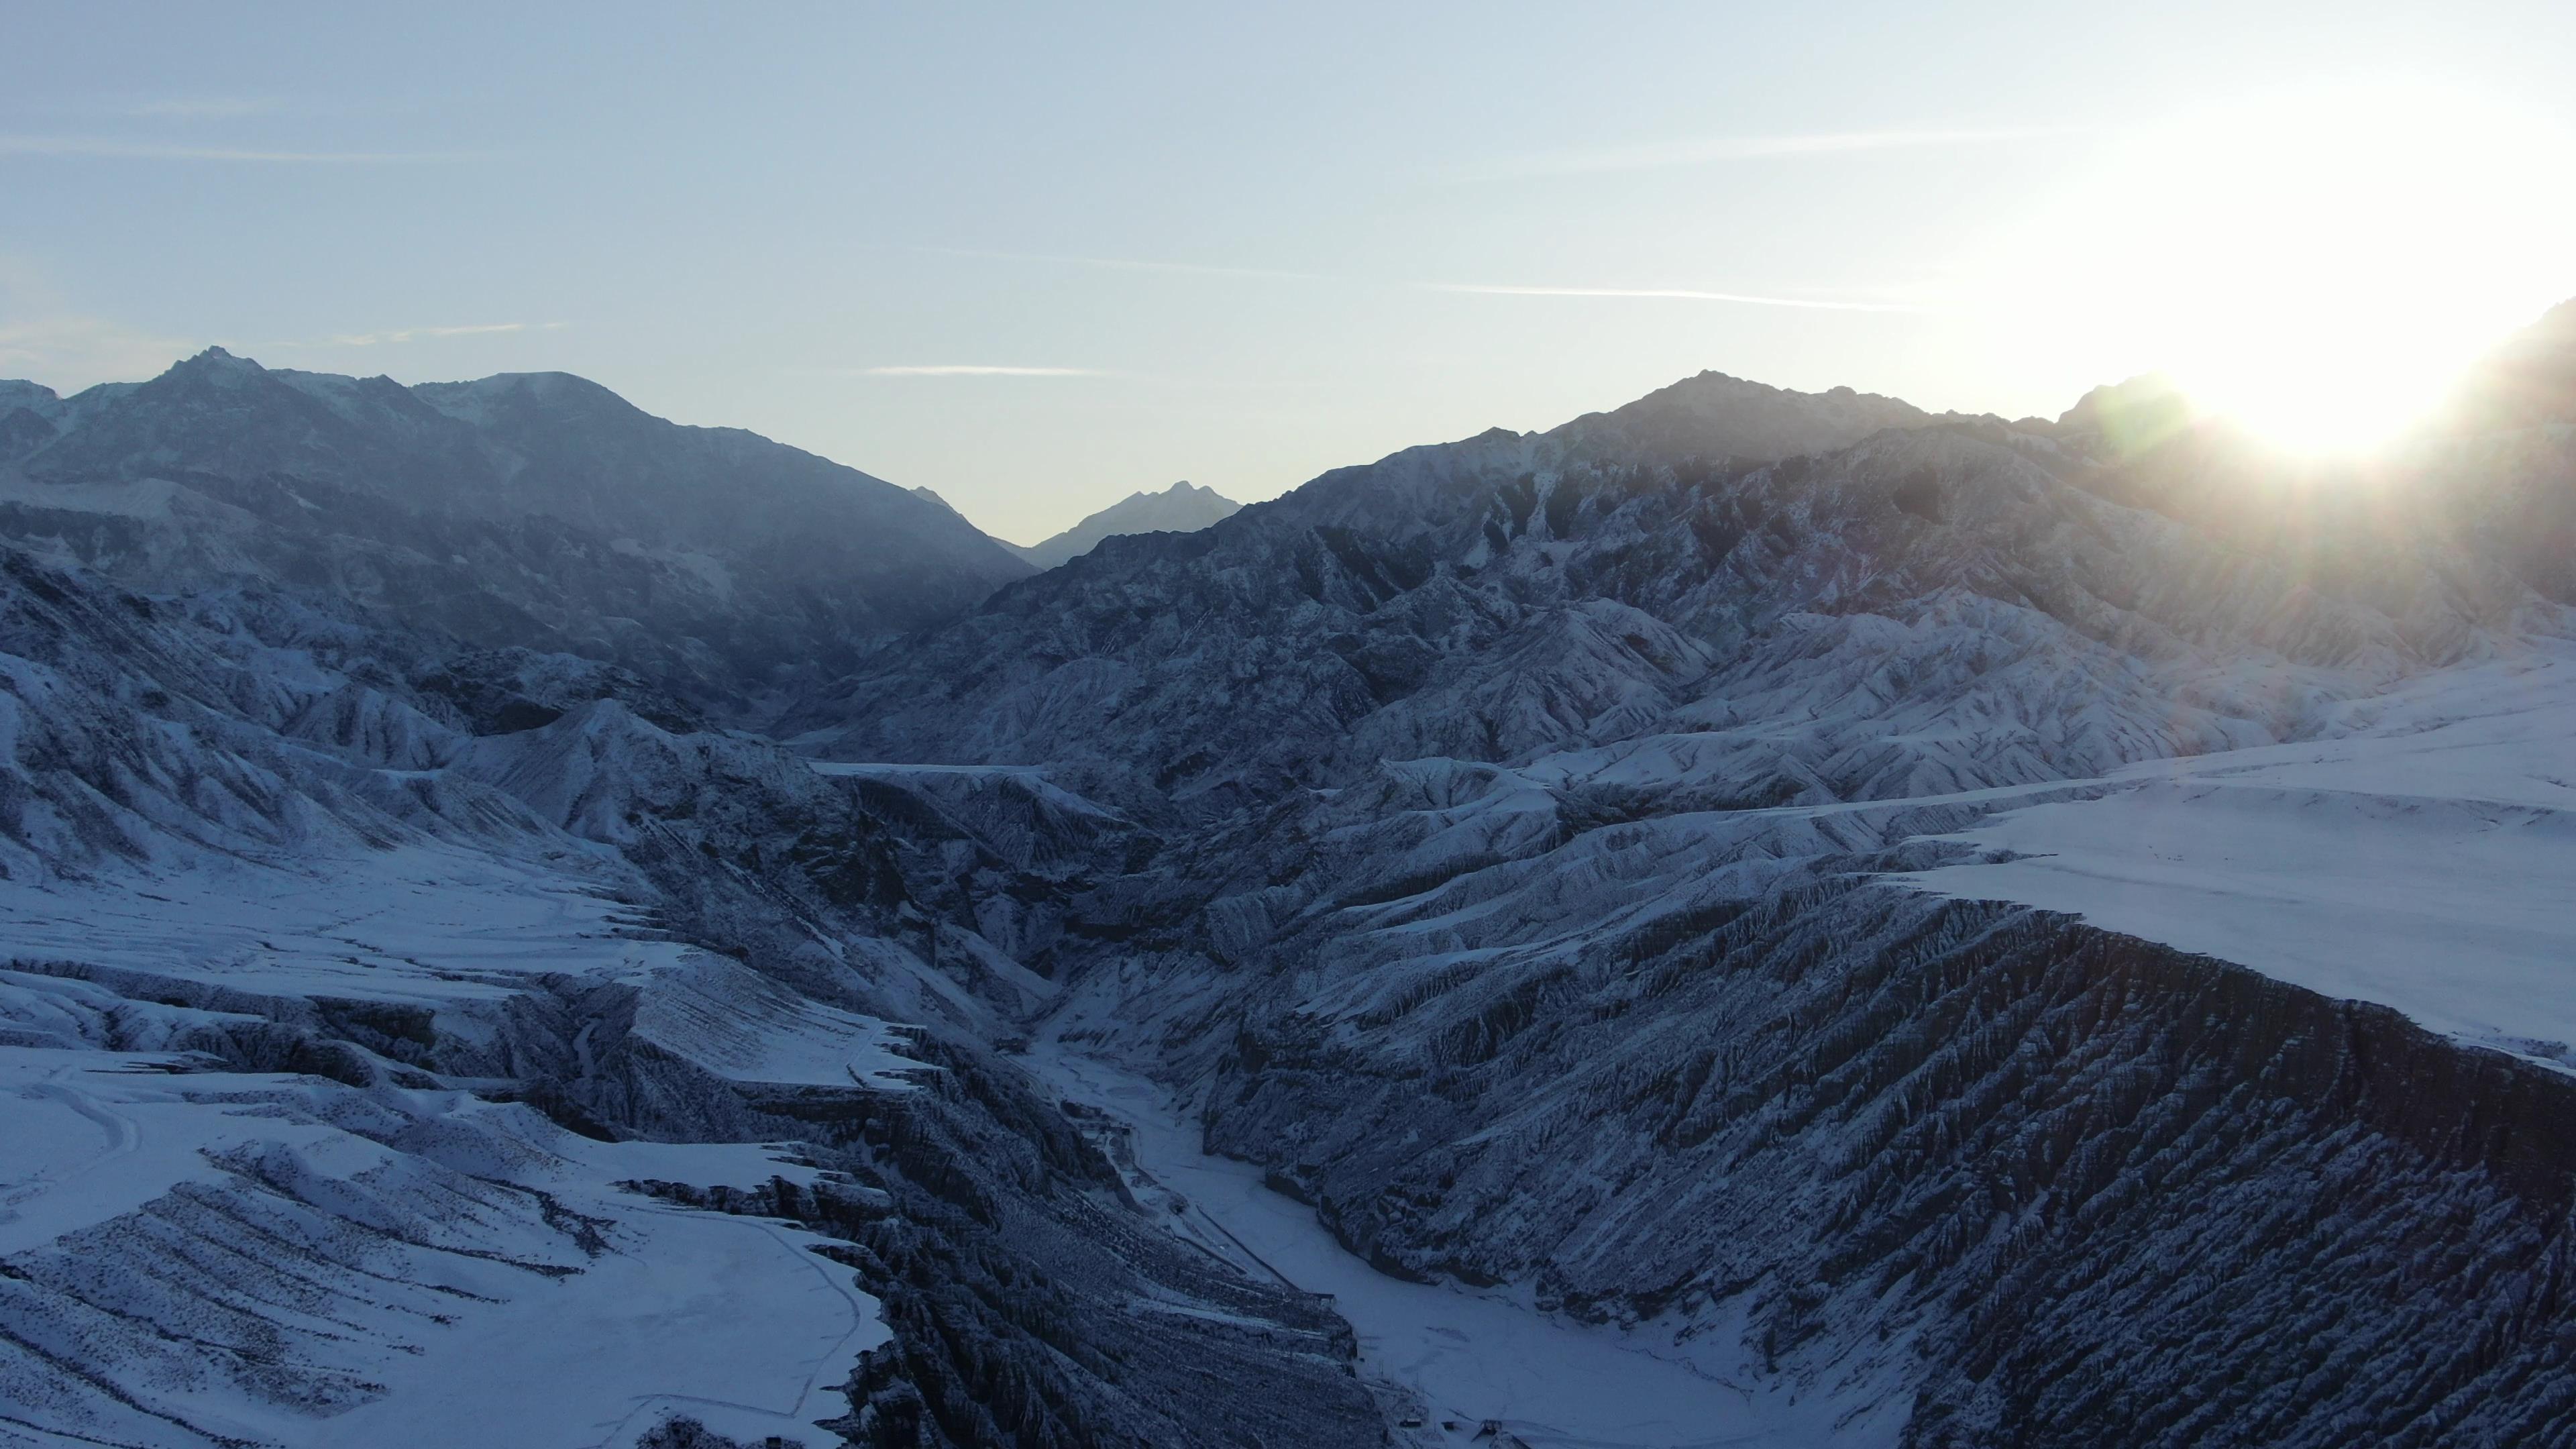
x=1668, y=294
x=1661, y=155
x=1672, y=294
x=94, y=146
x=1125, y=264
x=961, y=369
x=203, y=108
x=414, y=334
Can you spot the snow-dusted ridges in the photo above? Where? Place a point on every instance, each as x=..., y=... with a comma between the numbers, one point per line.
x=1451, y=1353
x=2412, y=854
x=277, y=849
x=2421, y=855
x=223, y=853
x=1920, y=611
x=429, y=924
x=432, y=1269
x=228, y=1258
x=454, y=931
x=1465, y=1043
x=1556, y=813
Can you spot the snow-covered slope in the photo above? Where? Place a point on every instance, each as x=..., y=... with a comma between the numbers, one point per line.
x=2420, y=854
x=435, y=1243
x=1182, y=508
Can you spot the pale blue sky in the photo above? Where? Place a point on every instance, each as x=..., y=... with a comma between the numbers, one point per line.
x=1224, y=240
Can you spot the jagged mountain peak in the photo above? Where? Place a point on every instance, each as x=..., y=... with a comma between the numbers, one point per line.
x=214, y=367
x=1714, y=414
x=220, y=414
x=217, y=359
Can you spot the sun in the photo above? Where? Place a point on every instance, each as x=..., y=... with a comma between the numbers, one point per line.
x=2318, y=265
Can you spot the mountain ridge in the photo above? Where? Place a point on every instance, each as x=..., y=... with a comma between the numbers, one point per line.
x=1481, y=535
x=522, y=510
x=1182, y=508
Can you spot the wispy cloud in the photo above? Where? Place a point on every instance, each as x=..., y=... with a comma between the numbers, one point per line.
x=1674, y=294
x=966, y=369
x=1664, y=293
x=414, y=334
x=1124, y=264
x=202, y=108
x=97, y=146
x=1707, y=150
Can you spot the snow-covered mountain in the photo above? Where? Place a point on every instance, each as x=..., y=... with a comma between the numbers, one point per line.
x=1182, y=508
x=1942, y=605
x=1754, y=917
x=528, y=510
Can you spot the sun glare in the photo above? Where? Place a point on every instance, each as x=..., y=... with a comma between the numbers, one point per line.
x=2318, y=266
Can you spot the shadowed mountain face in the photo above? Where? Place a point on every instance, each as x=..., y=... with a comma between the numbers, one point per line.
x=1181, y=508
x=532, y=510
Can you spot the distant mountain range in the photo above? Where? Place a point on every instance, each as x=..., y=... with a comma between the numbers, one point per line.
x=1182, y=508
x=531, y=510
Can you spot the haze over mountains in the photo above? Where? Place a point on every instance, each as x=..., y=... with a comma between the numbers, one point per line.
x=1750, y=917
x=1182, y=508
